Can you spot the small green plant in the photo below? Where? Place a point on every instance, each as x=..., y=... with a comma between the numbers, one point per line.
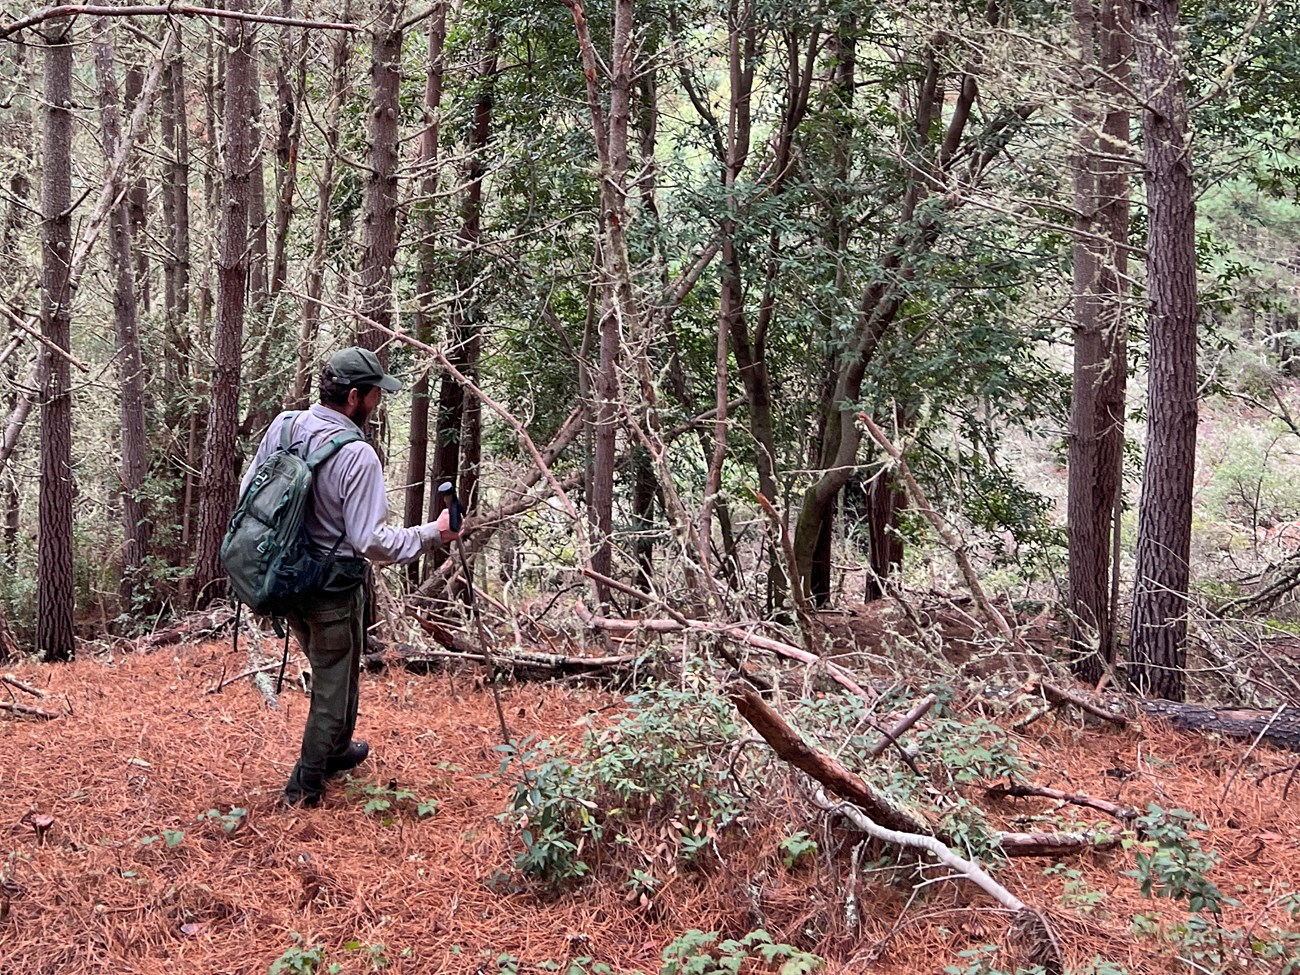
x=1173, y=865
x=980, y=961
x=375, y=955
x=298, y=959
x=701, y=953
x=795, y=847
x=171, y=838
x=1076, y=892
x=229, y=820
x=386, y=798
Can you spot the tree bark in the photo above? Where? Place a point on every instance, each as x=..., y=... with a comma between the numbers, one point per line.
x=1100, y=341
x=379, y=220
x=138, y=198
x=1158, y=643
x=457, y=438
x=55, y=597
x=220, y=460
x=290, y=85
x=136, y=524
x=417, y=456
x=311, y=309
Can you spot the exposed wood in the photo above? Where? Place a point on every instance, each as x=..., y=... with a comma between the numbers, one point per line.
x=1058, y=697
x=257, y=669
x=13, y=681
x=1023, y=845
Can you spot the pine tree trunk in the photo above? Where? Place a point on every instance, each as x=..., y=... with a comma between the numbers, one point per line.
x=458, y=435
x=289, y=92
x=220, y=459
x=258, y=290
x=55, y=598
x=1100, y=343
x=379, y=234
x=311, y=309
x=138, y=198
x=136, y=525
x=417, y=457
x=1158, y=647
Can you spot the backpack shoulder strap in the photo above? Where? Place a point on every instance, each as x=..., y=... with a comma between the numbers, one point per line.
x=286, y=429
x=327, y=450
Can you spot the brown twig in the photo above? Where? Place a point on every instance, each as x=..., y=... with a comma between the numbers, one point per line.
x=909, y=719
x=226, y=682
x=1061, y=696
x=803, y=608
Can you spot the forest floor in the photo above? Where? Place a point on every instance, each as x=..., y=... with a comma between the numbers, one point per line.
x=136, y=875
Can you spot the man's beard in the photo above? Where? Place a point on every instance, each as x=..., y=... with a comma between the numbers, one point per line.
x=359, y=415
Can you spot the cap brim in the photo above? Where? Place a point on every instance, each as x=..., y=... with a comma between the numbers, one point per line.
x=390, y=385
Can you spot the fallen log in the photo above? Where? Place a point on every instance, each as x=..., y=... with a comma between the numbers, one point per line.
x=506, y=662
x=1280, y=728
x=13, y=681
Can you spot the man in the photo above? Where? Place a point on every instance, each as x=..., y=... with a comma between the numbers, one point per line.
x=347, y=516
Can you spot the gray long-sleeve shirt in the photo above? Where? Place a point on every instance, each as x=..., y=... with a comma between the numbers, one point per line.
x=348, y=495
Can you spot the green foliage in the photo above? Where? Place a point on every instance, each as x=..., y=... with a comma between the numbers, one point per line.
x=298, y=959
x=980, y=960
x=702, y=953
x=797, y=846
x=1172, y=863
x=229, y=821
x=664, y=761
x=171, y=838
x=384, y=799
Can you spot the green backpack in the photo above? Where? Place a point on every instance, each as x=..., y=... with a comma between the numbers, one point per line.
x=266, y=552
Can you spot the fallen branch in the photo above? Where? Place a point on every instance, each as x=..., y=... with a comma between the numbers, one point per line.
x=1043, y=947
x=1125, y=814
x=226, y=682
x=1058, y=697
x=13, y=681
x=909, y=719
x=518, y=660
x=1022, y=845
x=954, y=544
x=790, y=746
x=23, y=709
x=737, y=633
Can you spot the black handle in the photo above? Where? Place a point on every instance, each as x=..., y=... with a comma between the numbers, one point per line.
x=452, y=503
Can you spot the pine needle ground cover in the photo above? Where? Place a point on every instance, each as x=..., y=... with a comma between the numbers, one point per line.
x=167, y=851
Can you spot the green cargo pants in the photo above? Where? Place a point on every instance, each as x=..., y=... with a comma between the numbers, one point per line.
x=333, y=635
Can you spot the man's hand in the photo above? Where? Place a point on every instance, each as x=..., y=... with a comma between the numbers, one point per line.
x=443, y=524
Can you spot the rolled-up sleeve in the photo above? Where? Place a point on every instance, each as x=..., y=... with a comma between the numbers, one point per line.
x=365, y=513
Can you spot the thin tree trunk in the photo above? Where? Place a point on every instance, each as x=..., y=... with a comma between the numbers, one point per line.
x=1158, y=643
x=417, y=457
x=257, y=244
x=138, y=198
x=311, y=308
x=55, y=598
x=379, y=234
x=458, y=436
x=290, y=82
x=136, y=525
x=220, y=460
x=1100, y=347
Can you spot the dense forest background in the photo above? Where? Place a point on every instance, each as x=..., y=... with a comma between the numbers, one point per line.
x=643, y=265
x=829, y=385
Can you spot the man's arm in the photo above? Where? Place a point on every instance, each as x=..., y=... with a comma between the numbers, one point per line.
x=365, y=515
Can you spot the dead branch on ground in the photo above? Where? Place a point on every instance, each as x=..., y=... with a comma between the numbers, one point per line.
x=26, y=710
x=1125, y=814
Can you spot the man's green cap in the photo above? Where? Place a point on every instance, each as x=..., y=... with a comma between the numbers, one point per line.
x=361, y=367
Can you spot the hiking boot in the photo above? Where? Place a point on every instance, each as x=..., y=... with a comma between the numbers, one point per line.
x=293, y=798
x=356, y=754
